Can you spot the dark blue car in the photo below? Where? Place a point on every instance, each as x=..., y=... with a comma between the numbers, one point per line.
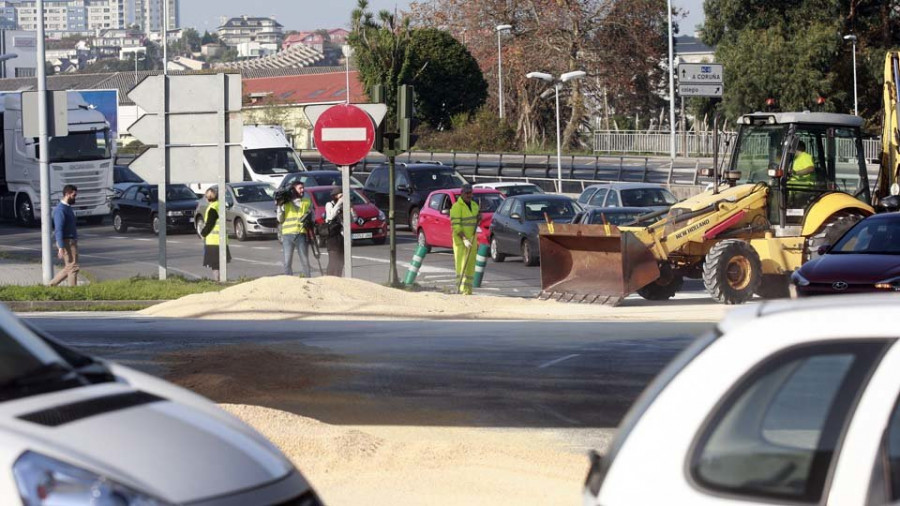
x=514, y=229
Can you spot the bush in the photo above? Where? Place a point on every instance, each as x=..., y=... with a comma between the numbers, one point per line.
x=482, y=131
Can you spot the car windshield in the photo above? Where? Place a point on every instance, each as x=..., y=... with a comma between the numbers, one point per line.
x=599, y=218
x=173, y=193
x=81, y=146
x=125, y=175
x=556, y=209
x=758, y=149
x=512, y=191
x=647, y=197
x=318, y=179
x=273, y=161
x=322, y=197
x=436, y=179
x=871, y=237
x=488, y=202
x=254, y=193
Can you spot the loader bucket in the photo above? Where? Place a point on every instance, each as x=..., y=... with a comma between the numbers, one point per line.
x=593, y=263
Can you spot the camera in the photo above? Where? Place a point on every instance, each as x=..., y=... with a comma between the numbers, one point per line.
x=283, y=195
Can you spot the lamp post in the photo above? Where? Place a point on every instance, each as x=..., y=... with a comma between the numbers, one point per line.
x=852, y=38
x=136, y=60
x=564, y=78
x=671, y=88
x=500, y=29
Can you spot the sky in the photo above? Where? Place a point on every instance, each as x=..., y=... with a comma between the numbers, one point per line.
x=314, y=14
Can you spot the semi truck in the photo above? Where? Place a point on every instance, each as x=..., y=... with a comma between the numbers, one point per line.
x=268, y=156
x=83, y=158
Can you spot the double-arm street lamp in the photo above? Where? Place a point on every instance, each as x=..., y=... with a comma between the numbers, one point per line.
x=852, y=38
x=500, y=29
x=557, y=82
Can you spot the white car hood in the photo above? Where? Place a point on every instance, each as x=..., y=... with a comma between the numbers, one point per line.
x=174, y=450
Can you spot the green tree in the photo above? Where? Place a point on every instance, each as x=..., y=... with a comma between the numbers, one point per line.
x=192, y=40
x=794, y=52
x=209, y=38
x=447, y=78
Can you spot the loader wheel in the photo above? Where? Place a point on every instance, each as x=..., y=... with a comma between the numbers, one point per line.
x=663, y=288
x=774, y=286
x=731, y=272
x=831, y=231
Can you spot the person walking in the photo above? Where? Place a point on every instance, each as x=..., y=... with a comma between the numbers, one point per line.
x=334, y=241
x=66, y=235
x=295, y=214
x=210, y=234
x=464, y=220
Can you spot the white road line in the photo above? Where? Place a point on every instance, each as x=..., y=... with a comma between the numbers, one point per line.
x=557, y=414
x=142, y=239
x=263, y=247
x=562, y=359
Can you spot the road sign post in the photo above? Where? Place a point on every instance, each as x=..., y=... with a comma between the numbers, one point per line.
x=193, y=124
x=701, y=80
x=344, y=135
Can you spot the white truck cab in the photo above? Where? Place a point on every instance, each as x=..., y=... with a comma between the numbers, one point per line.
x=268, y=156
x=83, y=158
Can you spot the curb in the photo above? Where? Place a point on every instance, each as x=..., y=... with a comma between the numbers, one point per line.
x=77, y=305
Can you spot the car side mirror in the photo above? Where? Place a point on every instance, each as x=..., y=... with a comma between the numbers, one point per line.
x=515, y=216
x=823, y=249
x=445, y=211
x=402, y=188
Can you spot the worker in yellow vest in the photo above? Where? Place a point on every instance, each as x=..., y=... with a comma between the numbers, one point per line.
x=210, y=233
x=464, y=221
x=803, y=178
x=295, y=215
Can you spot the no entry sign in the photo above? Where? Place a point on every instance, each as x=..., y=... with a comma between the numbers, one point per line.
x=344, y=134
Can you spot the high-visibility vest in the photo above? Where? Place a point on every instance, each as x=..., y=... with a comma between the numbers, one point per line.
x=804, y=170
x=212, y=239
x=293, y=216
x=464, y=218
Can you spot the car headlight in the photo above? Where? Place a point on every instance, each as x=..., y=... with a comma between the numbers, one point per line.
x=43, y=480
x=249, y=211
x=798, y=279
x=889, y=284
x=381, y=215
x=173, y=213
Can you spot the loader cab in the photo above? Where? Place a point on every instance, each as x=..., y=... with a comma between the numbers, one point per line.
x=767, y=147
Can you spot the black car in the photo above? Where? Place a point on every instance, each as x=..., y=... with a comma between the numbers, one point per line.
x=613, y=216
x=514, y=229
x=413, y=183
x=123, y=178
x=311, y=178
x=138, y=206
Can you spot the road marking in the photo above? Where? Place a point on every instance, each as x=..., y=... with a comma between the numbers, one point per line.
x=562, y=359
x=263, y=247
x=112, y=345
x=119, y=237
x=557, y=414
x=142, y=239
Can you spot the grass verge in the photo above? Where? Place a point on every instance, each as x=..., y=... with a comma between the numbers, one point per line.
x=136, y=288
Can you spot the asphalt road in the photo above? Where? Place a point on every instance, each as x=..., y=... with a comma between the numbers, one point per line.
x=483, y=374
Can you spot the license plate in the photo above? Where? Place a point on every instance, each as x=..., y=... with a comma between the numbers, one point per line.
x=363, y=235
x=190, y=220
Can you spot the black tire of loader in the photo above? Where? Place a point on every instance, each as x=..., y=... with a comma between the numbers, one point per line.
x=774, y=286
x=663, y=288
x=731, y=257
x=834, y=229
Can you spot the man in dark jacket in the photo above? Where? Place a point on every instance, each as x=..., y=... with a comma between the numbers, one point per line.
x=66, y=236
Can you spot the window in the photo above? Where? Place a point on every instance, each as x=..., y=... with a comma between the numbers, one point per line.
x=517, y=208
x=846, y=161
x=647, y=197
x=488, y=202
x=435, y=201
x=504, y=208
x=871, y=237
x=254, y=193
x=555, y=209
x=131, y=193
x=599, y=197
x=400, y=179
x=586, y=195
x=777, y=433
x=613, y=199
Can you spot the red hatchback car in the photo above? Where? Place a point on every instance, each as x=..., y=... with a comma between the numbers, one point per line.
x=434, y=218
x=368, y=221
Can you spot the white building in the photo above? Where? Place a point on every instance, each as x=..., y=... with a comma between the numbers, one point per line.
x=149, y=15
x=24, y=45
x=68, y=17
x=267, y=32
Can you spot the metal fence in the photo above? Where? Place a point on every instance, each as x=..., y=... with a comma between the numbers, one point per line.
x=691, y=144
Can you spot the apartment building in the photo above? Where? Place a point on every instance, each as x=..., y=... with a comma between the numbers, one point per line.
x=68, y=17
x=149, y=15
x=245, y=29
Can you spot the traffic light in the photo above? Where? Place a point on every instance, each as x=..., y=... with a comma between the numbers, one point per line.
x=376, y=96
x=406, y=121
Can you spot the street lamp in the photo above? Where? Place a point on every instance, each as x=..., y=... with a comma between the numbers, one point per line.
x=564, y=78
x=852, y=38
x=500, y=29
x=136, y=60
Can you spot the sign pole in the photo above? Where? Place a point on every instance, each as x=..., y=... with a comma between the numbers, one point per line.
x=392, y=222
x=161, y=211
x=43, y=152
x=347, y=221
x=223, y=180
x=671, y=87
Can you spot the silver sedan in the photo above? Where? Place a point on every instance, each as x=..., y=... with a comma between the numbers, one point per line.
x=250, y=210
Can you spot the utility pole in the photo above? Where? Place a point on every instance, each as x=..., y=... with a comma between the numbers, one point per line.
x=671, y=86
x=43, y=149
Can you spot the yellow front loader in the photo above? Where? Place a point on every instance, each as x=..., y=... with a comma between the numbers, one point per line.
x=744, y=236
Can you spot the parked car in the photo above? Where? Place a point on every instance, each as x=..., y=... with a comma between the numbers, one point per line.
x=510, y=189
x=612, y=215
x=650, y=195
x=123, y=178
x=785, y=402
x=865, y=259
x=79, y=430
x=514, y=228
x=317, y=178
x=252, y=215
x=413, y=183
x=138, y=206
x=368, y=222
x=434, y=228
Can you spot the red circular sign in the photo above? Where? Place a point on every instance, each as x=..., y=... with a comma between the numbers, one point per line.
x=344, y=134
